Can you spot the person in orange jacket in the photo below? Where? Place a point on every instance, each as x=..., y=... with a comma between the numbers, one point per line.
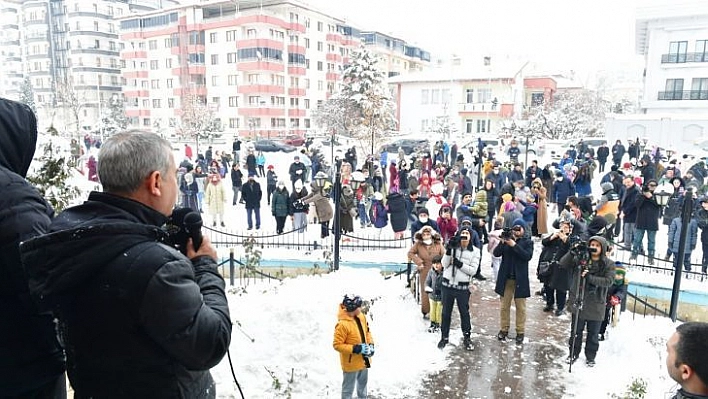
x=353, y=341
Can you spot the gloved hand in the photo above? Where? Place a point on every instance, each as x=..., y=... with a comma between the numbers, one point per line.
x=363, y=349
x=614, y=300
x=457, y=263
x=371, y=346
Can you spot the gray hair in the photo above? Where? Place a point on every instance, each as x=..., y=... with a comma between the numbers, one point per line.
x=127, y=158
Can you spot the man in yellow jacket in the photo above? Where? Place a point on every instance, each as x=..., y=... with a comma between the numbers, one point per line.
x=353, y=341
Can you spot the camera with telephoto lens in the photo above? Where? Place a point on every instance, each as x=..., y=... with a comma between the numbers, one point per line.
x=454, y=242
x=506, y=234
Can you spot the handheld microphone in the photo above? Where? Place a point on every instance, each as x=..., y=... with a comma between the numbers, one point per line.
x=193, y=227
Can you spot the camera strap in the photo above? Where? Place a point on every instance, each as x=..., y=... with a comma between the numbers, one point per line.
x=363, y=339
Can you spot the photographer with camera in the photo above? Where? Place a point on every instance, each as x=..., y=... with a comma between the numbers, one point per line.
x=592, y=275
x=138, y=318
x=459, y=263
x=648, y=213
x=556, y=281
x=516, y=250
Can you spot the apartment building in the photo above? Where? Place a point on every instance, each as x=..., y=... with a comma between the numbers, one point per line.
x=673, y=39
x=261, y=67
x=397, y=57
x=10, y=49
x=475, y=99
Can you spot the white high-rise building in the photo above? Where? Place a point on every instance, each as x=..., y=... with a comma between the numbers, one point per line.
x=10, y=49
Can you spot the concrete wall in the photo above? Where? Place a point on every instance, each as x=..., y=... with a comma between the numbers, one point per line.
x=667, y=132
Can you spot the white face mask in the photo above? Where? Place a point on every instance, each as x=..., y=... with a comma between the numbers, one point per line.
x=423, y=219
x=428, y=241
x=559, y=178
x=297, y=190
x=280, y=186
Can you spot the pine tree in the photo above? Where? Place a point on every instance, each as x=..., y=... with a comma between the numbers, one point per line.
x=113, y=119
x=27, y=94
x=51, y=179
x=363, y=107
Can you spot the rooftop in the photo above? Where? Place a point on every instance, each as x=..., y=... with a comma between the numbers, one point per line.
x=654, y=10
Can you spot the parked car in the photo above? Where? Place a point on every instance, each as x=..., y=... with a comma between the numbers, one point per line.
x=272, y=146
x=409, y=146
x=294, y=140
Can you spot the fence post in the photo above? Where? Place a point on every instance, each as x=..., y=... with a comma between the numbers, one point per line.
x=232, y=264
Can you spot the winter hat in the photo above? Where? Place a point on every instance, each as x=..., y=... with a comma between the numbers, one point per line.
x=627, y=165
x=270, y=166
x=352, y=302
x=423, y=210
x=519, y=222
x=466, y=193
x=607, y=186
x=620, y=269
x=466, y=221
x=463, y=172
x=703, y=199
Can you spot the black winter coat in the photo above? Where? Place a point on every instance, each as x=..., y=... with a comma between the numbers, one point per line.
x=236, y=178
x=251, y=194
x=515, y=260
x=603, y=153
x=554, y=250
x=628, y=204
x=30, y=354
x=648, y=212
x=618, y=151
x=138, y=318
x=397, y=212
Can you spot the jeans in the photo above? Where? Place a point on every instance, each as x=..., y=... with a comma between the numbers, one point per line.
x=249, y=212
x=358, y=378
x=449, y=296
x=505, y=309
x=592, y=342
x=200, y=199
x=639, y=237
x=236, y=191
x=686, y=260
x=363, y=216
x=556, y=297
x=628, y=234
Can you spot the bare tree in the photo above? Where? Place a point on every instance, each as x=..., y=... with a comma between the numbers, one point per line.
x=198, y=121
x=73, y=101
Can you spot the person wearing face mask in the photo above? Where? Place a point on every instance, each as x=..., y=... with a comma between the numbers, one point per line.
x=279, y=206
x=297, y=209
x=423, y=220
x=562, y=189
x=427, y=245
x=215, y=198
x=512, y=284
x=459, y=263
x=297, y=171
x=496, y=175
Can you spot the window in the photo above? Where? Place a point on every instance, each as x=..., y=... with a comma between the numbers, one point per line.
x=233, y=101
x=446, y=96
x=146, y=103
x=144, y=85
x=307, y=123
x=153, y=65
x=168, y=42
x=146, y=121
x=701, y=51
x=97, y=44
x=674, y=89
x=253, y=78
x=216, y=100
x=251, y=33
x=213, y=37
x=484, y=95
x=677, y=52
x=230, y=36
x=307, y=63
x=233, y=80
x=112, y=46
x=233, y=123
x=319, y=65
x=214, y=81
x=699, y=89
x=253, y=100
x=469, y=123
x=170, y=103
x=152, y=45
x=320, y=46
x=482, y=126
x=231, y=58
x=95, y=26
x=435, y=96
x=168, y=63
x=320, y=85
x=78, y=25
x=155, y=84
x=424, y=96
x=307, y=83
x=111, y=28
x=214, y=59
x=156, y=103
x=169, y=83
x=307, y=103
x=537, y=99
x=307, y=43
x=320, y=26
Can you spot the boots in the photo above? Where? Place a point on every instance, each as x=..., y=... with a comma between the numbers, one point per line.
x=434, y=327
x=442, y=343
x=650, y=260
x=467, y=342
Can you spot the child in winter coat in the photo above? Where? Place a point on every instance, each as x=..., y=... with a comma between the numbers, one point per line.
x=379, y=213
x=616, y=295
x=494, y=239
x=353, y=341
x=447, y=224
x=433, y=286
x=215, y=197
x=675, y=234
x=529, y=211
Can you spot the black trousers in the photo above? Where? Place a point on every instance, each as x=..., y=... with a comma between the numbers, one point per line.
x=592, y=342
x=449, y=296
x=54, y=389
x=280, y=224
x=271, y=190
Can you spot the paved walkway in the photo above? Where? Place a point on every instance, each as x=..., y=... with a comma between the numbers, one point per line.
x=496, y=369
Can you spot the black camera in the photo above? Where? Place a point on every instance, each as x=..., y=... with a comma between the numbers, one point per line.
x=507, y=233
x=454, y=242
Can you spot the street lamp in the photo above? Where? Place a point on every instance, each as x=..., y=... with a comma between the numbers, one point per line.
x=663, y=193
x=321, y=178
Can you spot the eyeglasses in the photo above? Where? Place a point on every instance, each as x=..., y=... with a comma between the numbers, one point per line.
x=516, y=228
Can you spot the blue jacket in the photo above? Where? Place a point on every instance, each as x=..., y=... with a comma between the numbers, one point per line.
x=562, y=190
x=675, y=234
x=379, y=214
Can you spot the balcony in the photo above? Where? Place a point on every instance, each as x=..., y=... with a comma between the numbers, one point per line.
x=478, y=107
x=333, y=57
x=682, y=58
x=683, y=95
x=254, y=88
x=252, y=66
x=258, y=111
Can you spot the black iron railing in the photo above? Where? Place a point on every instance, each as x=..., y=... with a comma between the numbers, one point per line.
x=683, y=95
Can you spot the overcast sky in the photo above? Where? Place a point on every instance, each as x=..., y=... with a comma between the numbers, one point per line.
x=571, y=34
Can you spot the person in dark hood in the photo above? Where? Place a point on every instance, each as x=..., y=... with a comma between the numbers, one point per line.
x=139, y=318
x=592, y=279
x=31, y=360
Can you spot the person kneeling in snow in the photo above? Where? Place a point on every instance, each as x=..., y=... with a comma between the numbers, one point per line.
x=353, y=341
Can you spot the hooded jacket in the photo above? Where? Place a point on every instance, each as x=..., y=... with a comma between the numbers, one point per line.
x=480, y=206
x=601, y=275
x=447, y=227
x=609, y=203
x=346, y=335
x=30, y=354
x=137, y=317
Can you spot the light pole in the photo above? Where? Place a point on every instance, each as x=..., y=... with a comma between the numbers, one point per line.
x=686, y=211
